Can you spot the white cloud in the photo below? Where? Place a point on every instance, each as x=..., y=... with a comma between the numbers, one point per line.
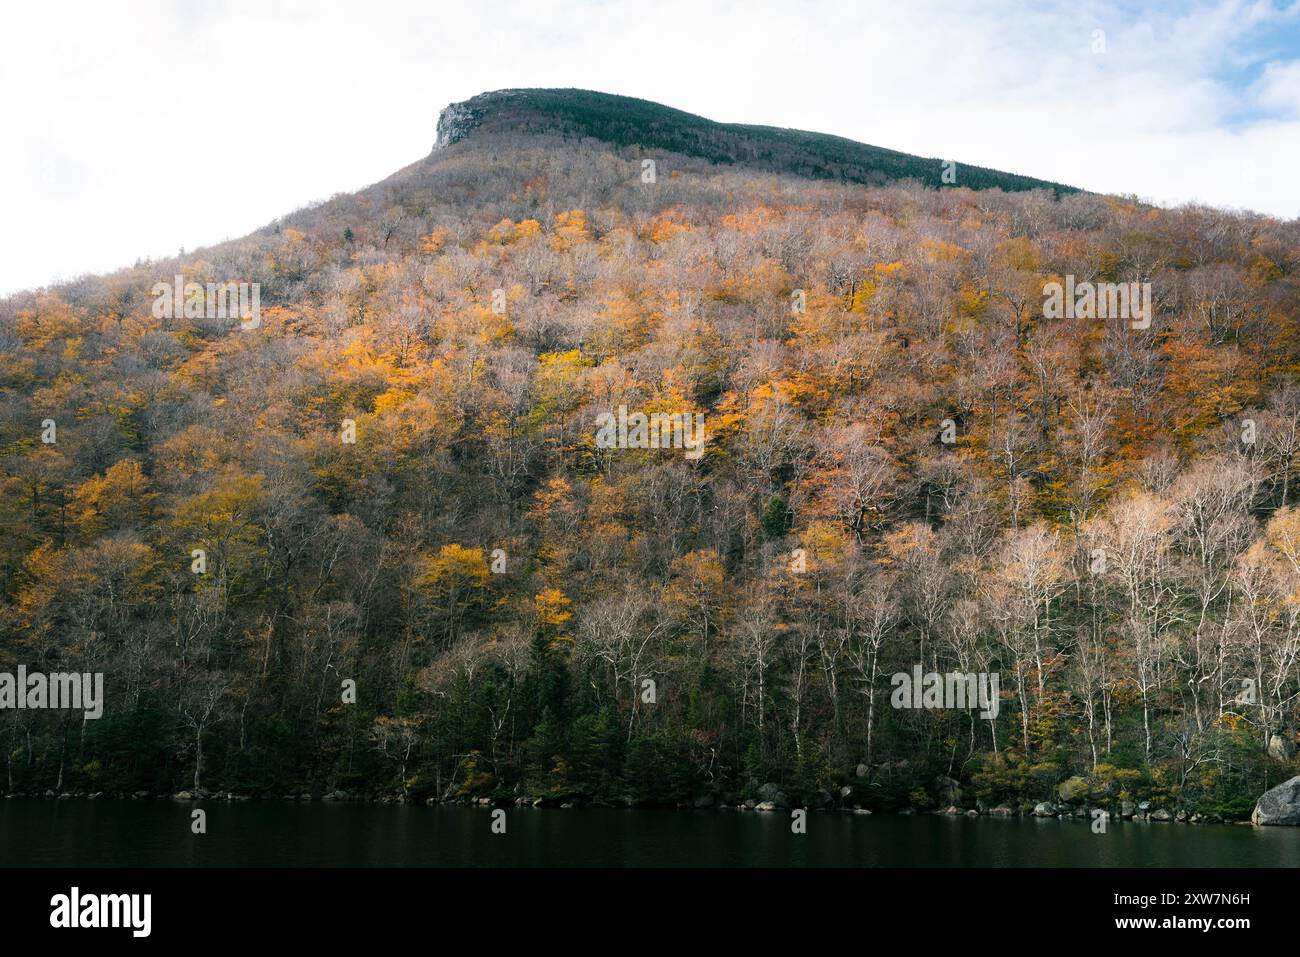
x=1279, y=88
x=132, y=130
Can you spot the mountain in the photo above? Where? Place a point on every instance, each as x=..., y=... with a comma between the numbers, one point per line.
x=537, y=479
x=626, y=121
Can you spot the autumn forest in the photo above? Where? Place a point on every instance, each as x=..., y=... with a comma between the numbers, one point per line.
x=372, y=544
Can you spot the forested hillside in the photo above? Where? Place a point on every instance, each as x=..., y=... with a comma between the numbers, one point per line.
x=905, y=464
x=627, y=121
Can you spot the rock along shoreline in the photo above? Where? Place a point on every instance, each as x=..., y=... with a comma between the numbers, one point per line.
x=1279, y=806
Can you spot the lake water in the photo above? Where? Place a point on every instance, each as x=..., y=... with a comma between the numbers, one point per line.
x=262, y=834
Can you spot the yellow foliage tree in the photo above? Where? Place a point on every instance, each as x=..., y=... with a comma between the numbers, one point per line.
x=112, y=500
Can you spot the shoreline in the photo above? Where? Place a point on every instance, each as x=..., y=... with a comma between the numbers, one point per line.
x=1079, y=814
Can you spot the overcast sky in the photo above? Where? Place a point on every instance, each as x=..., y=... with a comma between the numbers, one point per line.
x=133, y=129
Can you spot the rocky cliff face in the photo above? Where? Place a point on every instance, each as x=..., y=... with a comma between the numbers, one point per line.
x=455, y=123
x=504, y=108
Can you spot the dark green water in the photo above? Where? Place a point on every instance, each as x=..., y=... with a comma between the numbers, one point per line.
x=262, y=834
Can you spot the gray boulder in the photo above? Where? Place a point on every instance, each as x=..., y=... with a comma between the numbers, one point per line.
x=1071, y=789
x=771, y=794
x=1281, y=745
x=1280, y=805
x=1044, y=809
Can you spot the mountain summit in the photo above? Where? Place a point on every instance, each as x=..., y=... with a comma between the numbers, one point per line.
x=628, y=121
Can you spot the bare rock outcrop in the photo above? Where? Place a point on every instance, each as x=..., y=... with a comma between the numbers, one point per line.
x=1280, y=805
